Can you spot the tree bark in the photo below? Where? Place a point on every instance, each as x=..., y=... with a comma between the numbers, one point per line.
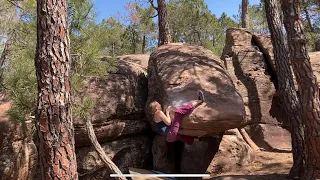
x=54, y=120
x=164, y=31
x=245, y=14
x=143, y=44
x=112, y=168
x=307, y=85
x=286, y=89
x=4, y=53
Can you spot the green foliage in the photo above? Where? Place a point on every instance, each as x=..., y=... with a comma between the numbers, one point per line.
x=191, y=21
x=257, y=18
x=19, y=74
x=258, y=21
x=87, y=48
x=84, y=109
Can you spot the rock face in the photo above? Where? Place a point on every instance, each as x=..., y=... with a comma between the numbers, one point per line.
x=274, y=138
x=141, y=59
x=196, y=158
x=248, y=70
x=119, y=104
x=211, y=154
x=233, y=151
x=118, y=119
x=249, y=61
x=128, y=152
x=164, y=154
x=18, y=153
x=176, y=71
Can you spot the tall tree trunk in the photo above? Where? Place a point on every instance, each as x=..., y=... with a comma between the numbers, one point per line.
x=52, y=62
x=286, y=89
x=164, y=31
x=143, y=44
x=245, y=14
x=307, y=85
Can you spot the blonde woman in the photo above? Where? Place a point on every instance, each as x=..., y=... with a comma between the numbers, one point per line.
x=166, y=127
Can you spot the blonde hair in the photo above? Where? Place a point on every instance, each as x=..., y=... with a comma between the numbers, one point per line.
x=153, y=106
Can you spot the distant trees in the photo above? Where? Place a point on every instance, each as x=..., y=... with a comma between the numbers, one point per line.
x=192, y=22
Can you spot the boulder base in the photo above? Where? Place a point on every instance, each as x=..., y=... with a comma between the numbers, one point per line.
x=128, y=152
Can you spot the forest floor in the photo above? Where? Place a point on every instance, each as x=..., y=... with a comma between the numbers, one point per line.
x=265, y=166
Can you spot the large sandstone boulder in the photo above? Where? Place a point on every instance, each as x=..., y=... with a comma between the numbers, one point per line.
x=248, y=70
x=18, y=153
x=119, y=104
x=128, y=152
x=176, y=71
x=249, y=61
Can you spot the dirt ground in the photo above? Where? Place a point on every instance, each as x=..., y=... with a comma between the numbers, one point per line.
x=266, y=166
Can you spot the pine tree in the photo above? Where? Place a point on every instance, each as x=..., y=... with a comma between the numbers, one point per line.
x=52, y=61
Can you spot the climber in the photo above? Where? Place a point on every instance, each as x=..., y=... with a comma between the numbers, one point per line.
x=163, y=123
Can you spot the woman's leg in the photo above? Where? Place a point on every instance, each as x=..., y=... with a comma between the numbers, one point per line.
x=174, y=128
x=186, y=139
x=179, y=113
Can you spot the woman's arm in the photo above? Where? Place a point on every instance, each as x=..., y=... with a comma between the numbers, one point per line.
x=165, y=118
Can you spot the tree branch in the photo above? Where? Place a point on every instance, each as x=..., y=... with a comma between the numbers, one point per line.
x=16, y=5
x=153, y=16
x=248, y=140
x=112, y=168
x=154, y=7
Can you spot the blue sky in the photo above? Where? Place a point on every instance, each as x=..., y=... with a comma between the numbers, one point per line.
x=107, y=8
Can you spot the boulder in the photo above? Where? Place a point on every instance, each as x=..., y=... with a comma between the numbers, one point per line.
x=272, y=138
x=128, y=152
x=251, y=67
x=176, y=71
x=141, y=59
x=119, y=104
x=264, y=43
x=248, y=70
x=233, y=153
x=18, y=153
